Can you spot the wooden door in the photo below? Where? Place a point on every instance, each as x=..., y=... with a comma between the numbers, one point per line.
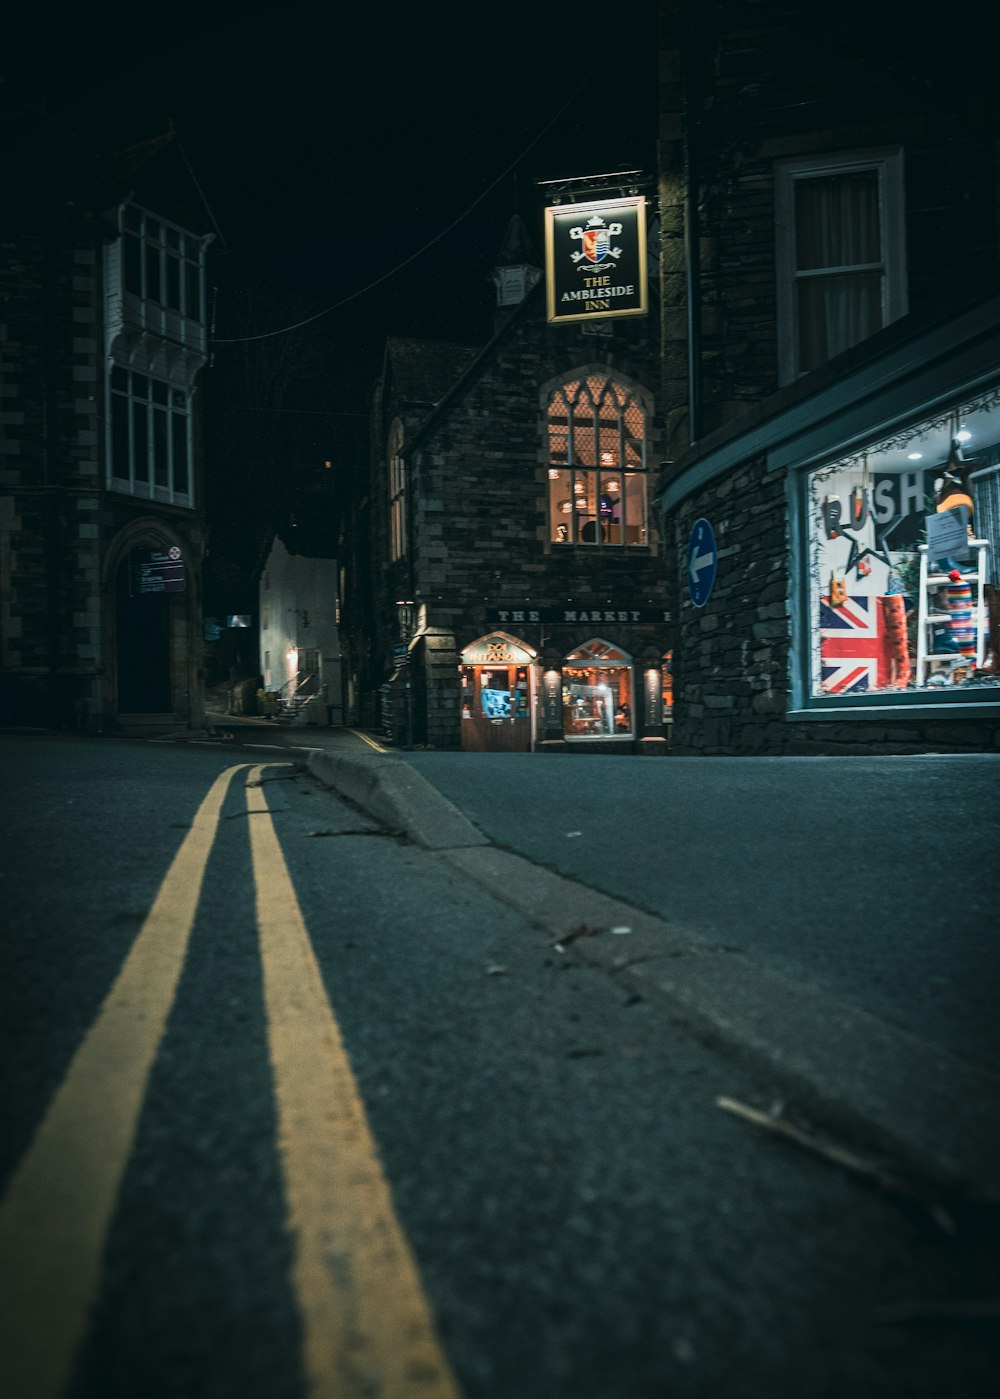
x=496, y=708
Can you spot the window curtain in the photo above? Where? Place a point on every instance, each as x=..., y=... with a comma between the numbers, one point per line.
x=839, y=271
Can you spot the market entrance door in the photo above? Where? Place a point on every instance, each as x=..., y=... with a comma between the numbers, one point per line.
x=498, y=700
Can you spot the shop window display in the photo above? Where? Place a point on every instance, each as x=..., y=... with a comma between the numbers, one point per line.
x=902, y=547
x=597, y=693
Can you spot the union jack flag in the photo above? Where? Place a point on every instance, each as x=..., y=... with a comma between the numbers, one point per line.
x=852, y=646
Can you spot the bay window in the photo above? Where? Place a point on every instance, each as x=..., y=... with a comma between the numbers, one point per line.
x=150, y=438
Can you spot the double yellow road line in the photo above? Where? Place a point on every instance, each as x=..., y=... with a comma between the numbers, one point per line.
x=366, y=1325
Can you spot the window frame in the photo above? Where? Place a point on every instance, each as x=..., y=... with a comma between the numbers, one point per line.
x=808, y=700
x=397, y=491
x=157, y=418
x=597, y=655
x=576, y=389
x=163, y=248
x=887, y=162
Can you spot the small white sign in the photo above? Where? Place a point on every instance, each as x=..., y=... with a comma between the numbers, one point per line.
x=948, y=533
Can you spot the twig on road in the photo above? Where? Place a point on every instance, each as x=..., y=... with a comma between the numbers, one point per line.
x=582, y=930
x=840, y=1156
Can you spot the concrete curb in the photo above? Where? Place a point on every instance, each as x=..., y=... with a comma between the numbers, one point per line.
x=904, y=1099
x=923, y=1109
x=397, y=796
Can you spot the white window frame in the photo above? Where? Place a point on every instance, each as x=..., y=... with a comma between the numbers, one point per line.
x=171, y=412
x=158, y=239
x=888, y=163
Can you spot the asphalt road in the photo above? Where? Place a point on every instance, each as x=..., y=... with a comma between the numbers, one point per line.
x=583, y=1219
x=874, y=879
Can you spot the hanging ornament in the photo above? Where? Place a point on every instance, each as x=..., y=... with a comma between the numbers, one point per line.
x=831, y=516
x=859, y=507
x=838, y=590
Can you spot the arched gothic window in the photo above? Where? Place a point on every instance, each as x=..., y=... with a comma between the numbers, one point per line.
x=597, y=698
x=597, y=436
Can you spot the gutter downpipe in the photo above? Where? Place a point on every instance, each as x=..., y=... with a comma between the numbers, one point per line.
x=692, y=237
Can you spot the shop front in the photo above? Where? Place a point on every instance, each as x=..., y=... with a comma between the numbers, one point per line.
x=855, y=604
x=595, y=697
x=903, y=557
x=497, y=675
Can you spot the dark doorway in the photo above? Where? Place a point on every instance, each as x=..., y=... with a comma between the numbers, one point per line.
x=142, y=622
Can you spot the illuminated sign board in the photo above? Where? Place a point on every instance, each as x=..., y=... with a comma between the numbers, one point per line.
x=595, y=260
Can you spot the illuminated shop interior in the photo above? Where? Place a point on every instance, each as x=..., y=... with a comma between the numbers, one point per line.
x=597, y=464
x=903, y=539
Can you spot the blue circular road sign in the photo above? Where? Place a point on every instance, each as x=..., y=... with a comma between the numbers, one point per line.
x=702, y=558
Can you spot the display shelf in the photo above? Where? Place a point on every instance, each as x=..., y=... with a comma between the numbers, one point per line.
x=929, y=661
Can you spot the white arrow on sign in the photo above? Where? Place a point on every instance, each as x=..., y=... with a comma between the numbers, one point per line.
x=698, y=562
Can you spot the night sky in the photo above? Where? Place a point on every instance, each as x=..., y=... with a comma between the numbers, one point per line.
x=362, y=164
x=333, y=143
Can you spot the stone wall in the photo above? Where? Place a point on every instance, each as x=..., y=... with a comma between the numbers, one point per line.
x=479, y=497
x=731, y=660
x=481, y=483
x=50, y=440
x=761, y=89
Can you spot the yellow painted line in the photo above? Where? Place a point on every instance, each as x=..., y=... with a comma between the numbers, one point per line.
x=55, y=1216
x=367, y=1327
x=370, y=741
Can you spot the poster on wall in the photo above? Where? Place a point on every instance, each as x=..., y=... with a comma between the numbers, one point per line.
x=595, y=260
x=862, y=634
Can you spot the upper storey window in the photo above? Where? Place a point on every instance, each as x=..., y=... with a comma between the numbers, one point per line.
x=150, y=440
x=162, y=263
x=840, y=248
x=597, y=436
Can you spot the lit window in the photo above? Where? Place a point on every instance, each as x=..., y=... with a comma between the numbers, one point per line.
x=902, y=541
x=597, y=692
x=397, y=492
x=840, y=254
x=597, y=464
x=150, y=438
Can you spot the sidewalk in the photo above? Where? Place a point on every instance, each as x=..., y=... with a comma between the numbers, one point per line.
x=911, y=1103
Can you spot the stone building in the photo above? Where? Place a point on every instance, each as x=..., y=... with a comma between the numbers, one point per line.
x=103, y=336
x=516, y=590
x=830, y=390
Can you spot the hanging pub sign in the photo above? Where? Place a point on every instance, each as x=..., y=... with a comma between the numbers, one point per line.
x=157, y=570
x=595, y=259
